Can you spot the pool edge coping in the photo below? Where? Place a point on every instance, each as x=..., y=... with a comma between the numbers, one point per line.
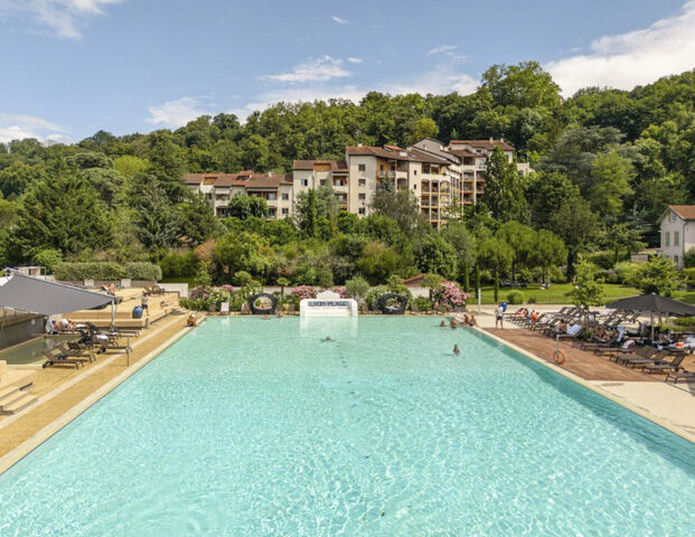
x=11, y=458
x=690, y=437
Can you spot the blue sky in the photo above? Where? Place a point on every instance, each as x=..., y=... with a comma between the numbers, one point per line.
x=71, y=67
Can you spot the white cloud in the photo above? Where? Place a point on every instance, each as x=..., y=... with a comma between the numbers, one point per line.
x=61, y=16
x=355, y=60
x=177, y=113
x=639, y=57
x=443, y=48
x=339, y=20
x=313, y=70
x=18, y=127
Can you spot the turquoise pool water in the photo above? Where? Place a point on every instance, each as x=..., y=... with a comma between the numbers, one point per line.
x=248, y=427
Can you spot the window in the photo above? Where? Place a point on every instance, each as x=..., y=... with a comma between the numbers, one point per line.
x=362, y=196
x=393, y=167
x=362, y=182
x=676, y=238
x=667, y=239
x=322, y=182
x=272, y=196
x=285, y=197
x=414, y=187
x=305, y=182
x=381, y=167
x=361, y=210
x=285, y=210
x=362, y=167
x=672, y=216
x=414, y=172
x=675, y=259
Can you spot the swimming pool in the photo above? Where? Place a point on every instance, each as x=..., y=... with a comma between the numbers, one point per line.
x=31, y=352
x=251, y=427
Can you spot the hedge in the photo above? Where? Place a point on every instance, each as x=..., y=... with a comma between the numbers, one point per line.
x=107, y=270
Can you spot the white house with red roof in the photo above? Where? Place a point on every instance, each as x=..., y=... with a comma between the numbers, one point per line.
x=677, y=225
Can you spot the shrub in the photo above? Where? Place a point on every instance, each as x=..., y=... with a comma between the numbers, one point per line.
x=139, y=270
x=531, y=300
x=423, y=303
x=104, y=270
x=242, y=278
x=179, y=265
x=689, y=258
x=48, y=258
x=304, y=291
x=626, y=272
x=516, y=297
x=357, y=287
x=603, y=259
x=449, y=295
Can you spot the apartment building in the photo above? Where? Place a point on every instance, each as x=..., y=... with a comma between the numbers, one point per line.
x=219, y=188
x=367, y=168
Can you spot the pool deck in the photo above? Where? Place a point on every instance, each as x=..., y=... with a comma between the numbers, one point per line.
x=64, y=393
x=671, y=406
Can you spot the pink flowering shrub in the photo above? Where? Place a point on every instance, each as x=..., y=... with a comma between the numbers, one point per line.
x=449, y=295
x=199, y=292
x=304, y=291
x=340, y=290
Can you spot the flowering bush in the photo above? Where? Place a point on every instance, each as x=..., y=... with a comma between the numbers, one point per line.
x=340, y=290
x=304, y=291
x=449, y=295
x=199, y=292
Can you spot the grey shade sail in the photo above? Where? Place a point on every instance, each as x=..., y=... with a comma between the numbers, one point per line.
x=653, y=304
x=32, y=295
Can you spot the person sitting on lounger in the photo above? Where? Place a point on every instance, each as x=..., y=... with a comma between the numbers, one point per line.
x=192, y=321
x=472, y=321
x=51, y=327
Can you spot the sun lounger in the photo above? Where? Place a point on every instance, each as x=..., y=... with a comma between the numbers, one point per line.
x=61, y=359
x=673, y=365
x=675, y=376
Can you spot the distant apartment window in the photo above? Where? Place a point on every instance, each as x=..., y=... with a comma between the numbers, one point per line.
x=414, y=172
x=362, y=182
x=393, y=167
x=362, y=167
x=285, y=210
x=672, y=216
x=414, y=187
x=381, y=167
x=667, y=239
x=676, y=238
x=285, y=197
x=272, y=197
x=305, y=182
x=675, y=259
x=362, y=196
x=361, y=210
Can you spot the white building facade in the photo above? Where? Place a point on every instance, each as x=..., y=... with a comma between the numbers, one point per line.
x=677, y=225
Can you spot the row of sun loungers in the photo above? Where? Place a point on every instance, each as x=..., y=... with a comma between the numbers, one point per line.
x=92, y=341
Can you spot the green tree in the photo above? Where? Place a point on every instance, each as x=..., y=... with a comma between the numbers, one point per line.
x=63, y=214
x=611, y=175
x=435, y=255
x=243, y=206
x=198, y=222
x=357, y=288
x=242, y=252
x=658, y=276
x=548, y=250
x=504, y=189
x=497, y=256
x=520, y=238
x=575, y=223
x=588, y=289
x=16, y=178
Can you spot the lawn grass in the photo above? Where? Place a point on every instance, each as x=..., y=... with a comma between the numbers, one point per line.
x=557, y=294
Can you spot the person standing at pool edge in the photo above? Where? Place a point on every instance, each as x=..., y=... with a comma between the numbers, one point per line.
x=499, y=316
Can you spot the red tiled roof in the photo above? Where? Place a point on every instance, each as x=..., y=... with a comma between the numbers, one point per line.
x=412, y=154
x=686, y=212
x=485, y=144
x=336, y=165
x=246, y=179
x=464, y=153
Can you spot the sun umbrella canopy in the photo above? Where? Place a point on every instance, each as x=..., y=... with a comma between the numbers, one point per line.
x=653, y=304
x=32, y=295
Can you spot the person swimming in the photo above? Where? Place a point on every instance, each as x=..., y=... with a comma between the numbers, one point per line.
x=453, y=323
x=457, y=351
x=328, y=338
x=442, y=325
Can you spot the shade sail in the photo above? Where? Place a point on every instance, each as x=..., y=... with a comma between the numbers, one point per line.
x=653, y=304
x=32, y=295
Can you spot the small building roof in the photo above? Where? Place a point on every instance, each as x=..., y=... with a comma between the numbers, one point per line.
x=335, y=165
x=247, y=179
x=686, y=212
x=489, y=144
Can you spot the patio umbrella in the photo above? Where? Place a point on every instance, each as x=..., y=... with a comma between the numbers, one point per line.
x=652, y=304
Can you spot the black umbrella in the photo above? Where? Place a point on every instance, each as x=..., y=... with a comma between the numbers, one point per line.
x=652, y=304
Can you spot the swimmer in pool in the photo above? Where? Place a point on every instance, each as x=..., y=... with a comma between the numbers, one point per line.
x=457, y=351
x=442, y=325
